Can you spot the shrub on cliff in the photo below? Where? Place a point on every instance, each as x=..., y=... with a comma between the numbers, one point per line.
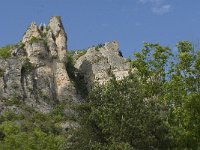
x=5, y=52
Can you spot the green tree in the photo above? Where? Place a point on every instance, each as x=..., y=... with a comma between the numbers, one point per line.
x=183, y=96
x=174, y=80
x=118, y=115
x=151, y=65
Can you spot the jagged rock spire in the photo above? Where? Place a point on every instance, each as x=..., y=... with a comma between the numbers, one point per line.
x=31, y=32
x=57, y=33
x=47, y=42
x=56, y=25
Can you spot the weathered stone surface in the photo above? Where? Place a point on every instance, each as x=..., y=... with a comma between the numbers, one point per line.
x=101, y=62
x=39, y=79
x=36, y=74
x=58, y=33
x=32, y=31
x=10, y=79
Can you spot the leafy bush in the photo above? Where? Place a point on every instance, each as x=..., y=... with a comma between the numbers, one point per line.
x=33, y=130
x=14, y=138
x=5, y=52
x=1, y=72
x=36, y=40
x=27, y=66
x=13, y=100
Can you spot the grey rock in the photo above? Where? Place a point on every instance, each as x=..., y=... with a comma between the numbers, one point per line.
x=36, y=74
x=32, y=31
x=39, y=78
x=100, y=63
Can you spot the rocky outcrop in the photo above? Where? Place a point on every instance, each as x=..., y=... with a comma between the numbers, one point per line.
x=101, y=63
x=39, y=78
x=36, y=74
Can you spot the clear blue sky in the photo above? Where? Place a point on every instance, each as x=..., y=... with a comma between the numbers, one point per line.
x=90, y=22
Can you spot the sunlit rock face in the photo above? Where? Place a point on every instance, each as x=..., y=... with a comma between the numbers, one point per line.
x=39, y=78
x=101, y=63
x=36, y=73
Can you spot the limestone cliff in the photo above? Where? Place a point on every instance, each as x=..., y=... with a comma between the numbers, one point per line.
x=36, y=74
x=102, y=62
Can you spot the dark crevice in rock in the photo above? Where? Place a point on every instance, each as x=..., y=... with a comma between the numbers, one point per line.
x=86, y=70
x=22, y=80
x=51, y=98
x=120, y=54
x=5, y=79
x=53, y=90
x=54, y=85
x=34, y=84
x=78, y=79
x=53, y=37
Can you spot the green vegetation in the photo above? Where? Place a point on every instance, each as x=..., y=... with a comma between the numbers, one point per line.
x=119, y=115
x=27, y=66
x=75, y=54
x=1, y=72
x=14, y=100
x=80, y=53
x=33, y=130
x=98, y=47
x=36, y=40
x=174, y=79
x=156, y=107
x=5, y=52
x=128, y=59
x=48, y=28
x=20, y=45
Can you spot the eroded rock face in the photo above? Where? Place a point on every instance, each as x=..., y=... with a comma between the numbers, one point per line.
x=100, y=63
x=39, y=78
x=32, y=31
x=36, y=73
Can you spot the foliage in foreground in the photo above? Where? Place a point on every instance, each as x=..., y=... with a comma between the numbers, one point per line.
x=176, y=80
x=120, y=116
x=32, y=131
